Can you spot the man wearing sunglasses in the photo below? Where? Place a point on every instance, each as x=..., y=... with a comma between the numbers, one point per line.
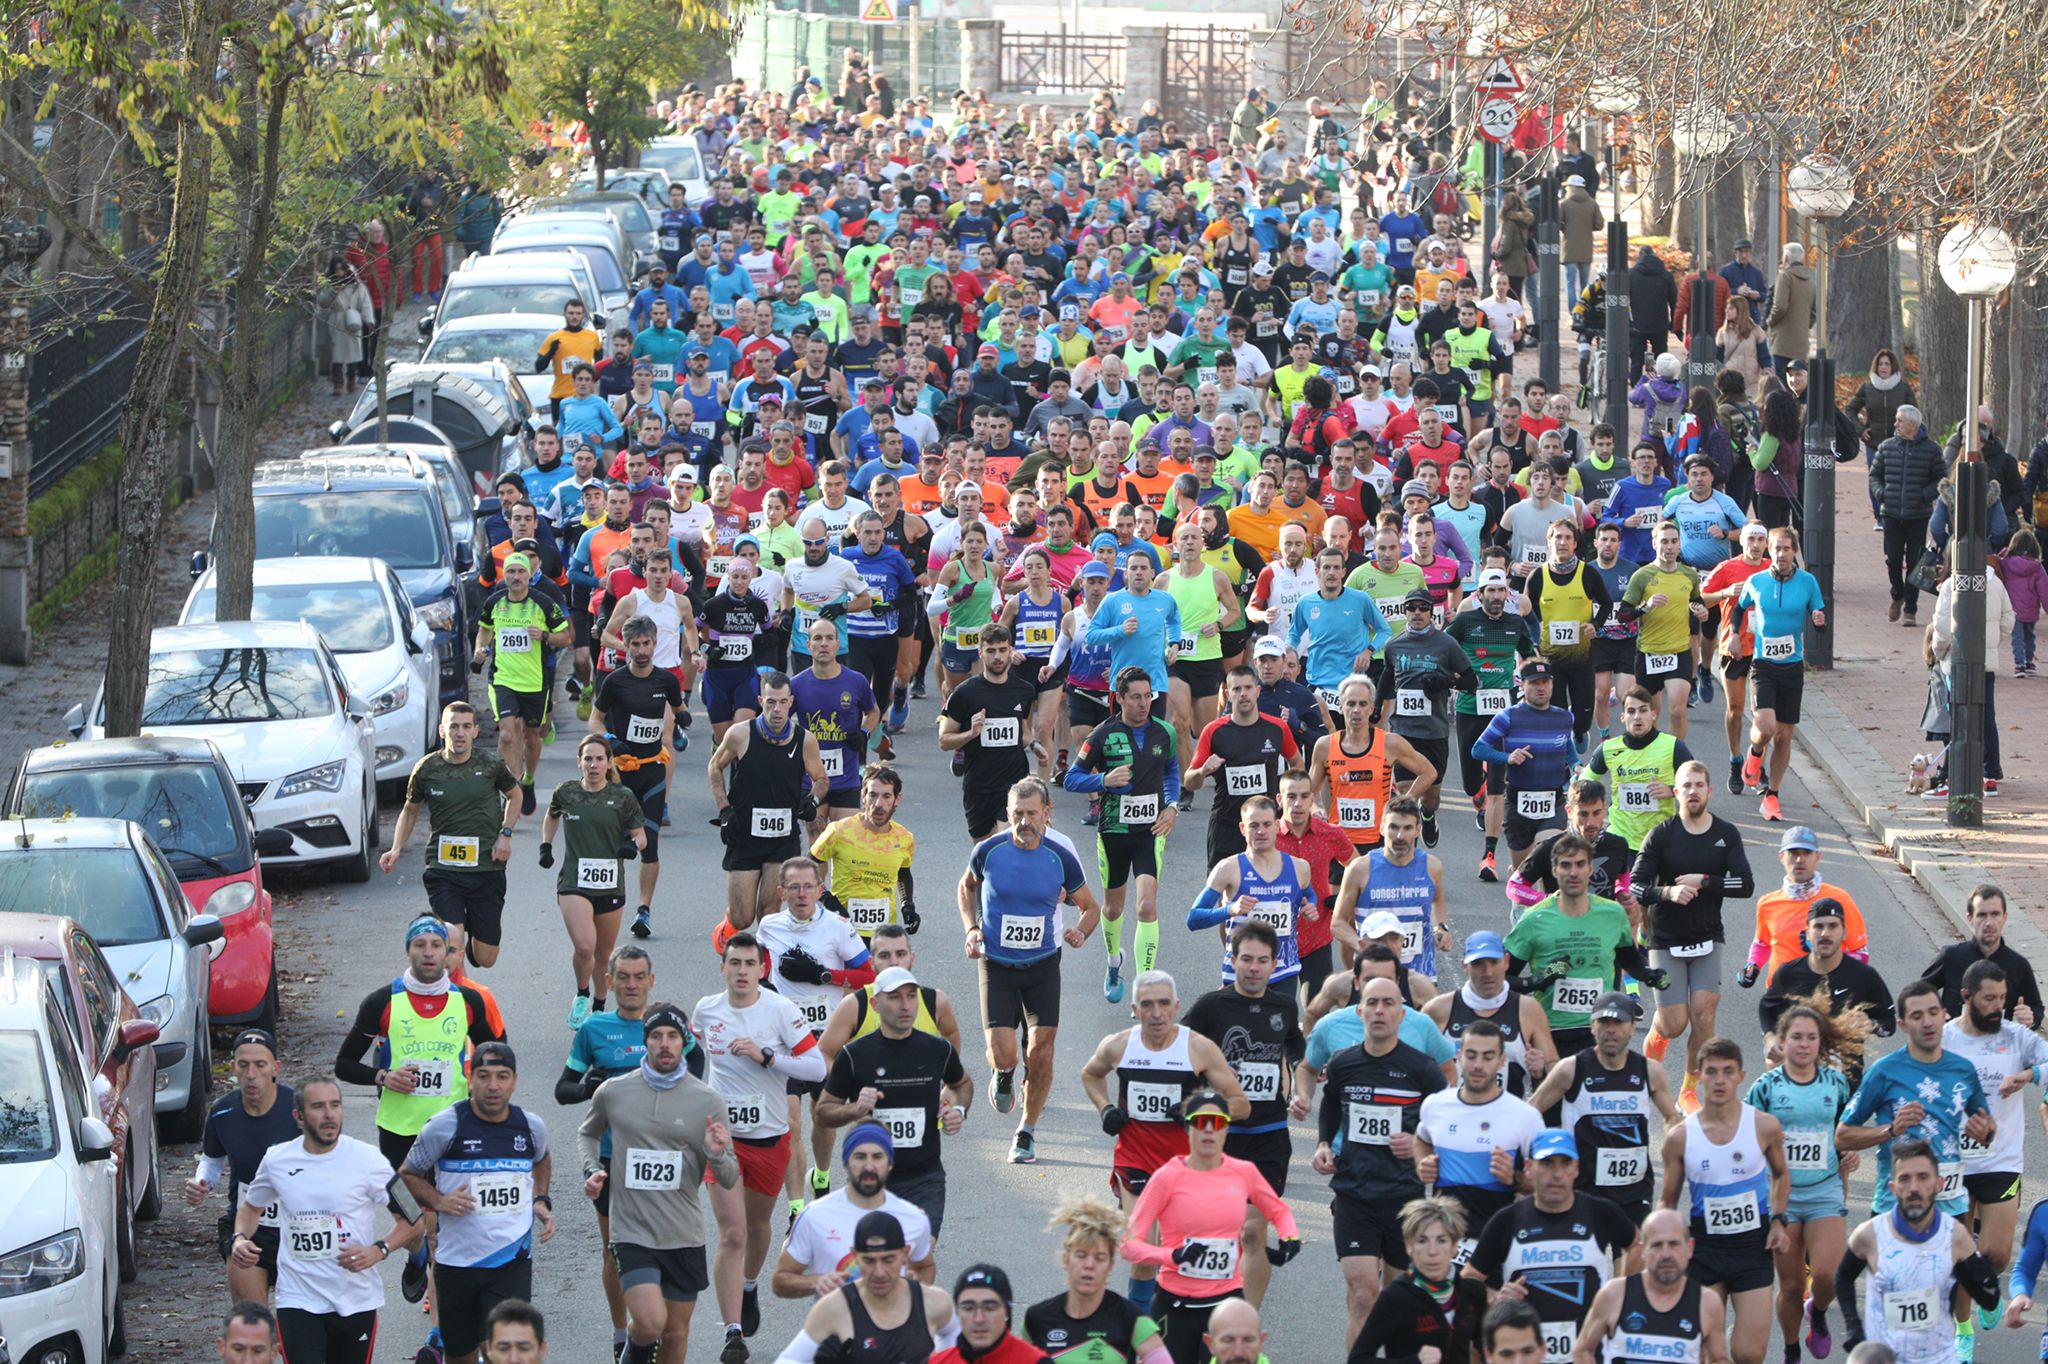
x=820, y=586
x=1423, y=666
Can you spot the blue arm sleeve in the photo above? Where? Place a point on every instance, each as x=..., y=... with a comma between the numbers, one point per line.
x=1078, y=780
x=2026, y=1272
x=1170, y=791
x=1208, y=909
x=1377, y=630
x=1483, y=749
x=579, y=565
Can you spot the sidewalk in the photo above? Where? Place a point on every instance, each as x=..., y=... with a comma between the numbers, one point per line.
x=1861, y=728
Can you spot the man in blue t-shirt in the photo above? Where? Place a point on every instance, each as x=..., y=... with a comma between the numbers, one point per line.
x=1140, y=626
x=1919, y=1091
x=1781, y=603
x=1010, y=899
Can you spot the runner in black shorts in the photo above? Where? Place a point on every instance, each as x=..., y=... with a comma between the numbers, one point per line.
x=762, y=806
x=472, y=802
x=637, y=706
x=240, y=1127
x=601, y=826
x=988, y=718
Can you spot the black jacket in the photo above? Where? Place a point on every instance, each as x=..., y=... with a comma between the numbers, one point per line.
x=1652, y=294
x=1907, y=473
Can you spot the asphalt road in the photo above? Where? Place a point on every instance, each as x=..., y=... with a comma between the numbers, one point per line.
x=996, y=1210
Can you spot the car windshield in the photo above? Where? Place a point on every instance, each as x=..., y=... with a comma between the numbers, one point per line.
x=604, y=267
x=354, y=616
x=233, y=686
x=515, y=345
x=104, y=889
x=397, y=525
x=183, y=806
x=503, y=296
x=28, y=1112
x=679, y=159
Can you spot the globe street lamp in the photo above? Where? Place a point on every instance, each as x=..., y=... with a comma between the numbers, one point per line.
x=1615, y=96
x=1978, y=262
x=1821, y=189
x=1701, y=133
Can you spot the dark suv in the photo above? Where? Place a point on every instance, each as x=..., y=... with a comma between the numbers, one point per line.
x=377, y=502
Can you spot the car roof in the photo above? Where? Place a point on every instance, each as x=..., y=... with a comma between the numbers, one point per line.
x=354, y=568
x=78, y=831
x=235, y=634
x=149, y=751
x=482, y=322
x=378, y=466
x=525, y=263
x=39, y=937
x=22, y=986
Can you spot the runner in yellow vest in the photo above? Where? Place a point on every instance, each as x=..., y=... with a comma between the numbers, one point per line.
x=855, y=1016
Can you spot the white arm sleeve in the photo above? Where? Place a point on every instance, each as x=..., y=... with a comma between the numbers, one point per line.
x=801, y=1350
x=210, y=1168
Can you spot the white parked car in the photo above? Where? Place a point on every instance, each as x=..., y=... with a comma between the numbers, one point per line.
x=273, y=698
x=60, y=1200
x=361, y=609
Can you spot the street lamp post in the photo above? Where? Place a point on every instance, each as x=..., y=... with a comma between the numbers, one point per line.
x=1614, y=97
x=1978, y=262
x=1552, y=311
x=1821, y=190
x=1701, y=133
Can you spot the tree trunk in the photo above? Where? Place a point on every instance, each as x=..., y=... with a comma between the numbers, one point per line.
x=1859, y=298
x=1658, y=210
x=254, y=172
x=2019, y=385
x=1727, y=210
x=1943, y=344
x=145, y=424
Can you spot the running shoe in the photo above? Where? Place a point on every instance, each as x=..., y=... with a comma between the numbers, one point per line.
x=1023, y=1150
x=1657, y=1044
x=1429, y=831
x=821, y=1182
x=1488, y=869
x=1819, y=1343
x=1059, y=769
x=1094, y=816
x=1991, y=786
x=735, y=1351
x=1735, y=776
x=1113, y=980
x=1002, y=1090
x=1187, y=801
x=750, y=1310
x=1987, y=1318
x=578, y=1011
x=1689, y=1093
x=1479, y=810
x=1966, y=1341
x=884, y=749
x=1752, y=769
x=429, y=1353
x=643, y=922
x=1705, y=690
x=412, y=1281
x=899, y=716
x=959, y=762
x=529, y=802
x=796, y=1210
x=917, y=690
x=1769, y=808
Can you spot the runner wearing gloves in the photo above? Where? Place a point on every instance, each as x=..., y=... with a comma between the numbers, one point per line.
x=1532, y=742
x=1605, y=1095
x=1423, y=665
x=1585, y=813
x=1642, y=762
x=1575, y=947
x=1924, y=1270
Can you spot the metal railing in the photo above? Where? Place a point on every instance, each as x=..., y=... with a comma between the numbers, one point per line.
x=87, y=343
x=1062, y=63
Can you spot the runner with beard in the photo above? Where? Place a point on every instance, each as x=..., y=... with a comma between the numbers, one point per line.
x=1643, y=762
x=1578, y=946
x=1658, y=1315
x=1604, y=1096
x=818, y=1256
x=1422, y=666
x=909, y=534
x=1923, y=1268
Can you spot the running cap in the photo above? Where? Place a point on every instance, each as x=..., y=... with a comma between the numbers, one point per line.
x=1615, y=1004
x=1485, y=945
x=1551, y=1141
x=878, y=1230
x=1826, y=907
x=494, y=1054
x=1799, y=838
x=895, y=978
x=1270, y=647
x=256, y=1037
x=1379, y=924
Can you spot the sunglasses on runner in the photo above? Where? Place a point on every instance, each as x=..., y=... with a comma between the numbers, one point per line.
x=1209, y=1121
x=813, y=544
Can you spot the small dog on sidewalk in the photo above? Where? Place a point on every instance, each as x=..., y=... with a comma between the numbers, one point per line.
x=1917, y=779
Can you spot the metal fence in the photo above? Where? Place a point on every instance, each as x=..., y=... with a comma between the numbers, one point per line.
x=1207, y=71
x=80, y=375
x=774, y=43
x=1063, y=63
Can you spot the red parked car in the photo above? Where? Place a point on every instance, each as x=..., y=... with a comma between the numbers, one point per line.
x=182, y=793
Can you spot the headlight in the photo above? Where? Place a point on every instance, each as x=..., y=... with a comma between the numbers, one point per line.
x=390, y=700
x=232, y=898
x=159, y=1011
x=42, y=1265
x=439, y=615
x=325, y=777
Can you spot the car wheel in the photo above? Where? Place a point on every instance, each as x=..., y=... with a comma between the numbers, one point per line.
x=373, y=832
x=266, y=1017
x=355, y=870
x=117, y=1326
x=190, y=1121
x=124, y=1231
x=151, y=1205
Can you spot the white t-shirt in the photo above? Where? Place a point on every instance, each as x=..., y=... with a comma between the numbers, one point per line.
x=1465, y=1136
x=1371, y=415
x=755, y=1095
x=816, y=586
x=324, y=1202
x=836, y=521
x=822, y=1238
x=2008, y=1052
x=830, y=940
x=1501, y=316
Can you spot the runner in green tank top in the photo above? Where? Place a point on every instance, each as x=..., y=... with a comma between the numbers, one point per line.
x=1208, y=606
x=965, y=595
x=601, y=824
x=1641, y=766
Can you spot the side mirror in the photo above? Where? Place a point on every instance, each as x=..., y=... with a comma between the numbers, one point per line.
x=535, y=421
x=271, y=842
x=488, y=507
x=338, y=430
x=199, y=562
x=95, y=1140
x=420, y=640
x=465, y=557
x=204, y=929
x=135, y=1034
x=426, y=327
x=74, y=721
x=597, y=320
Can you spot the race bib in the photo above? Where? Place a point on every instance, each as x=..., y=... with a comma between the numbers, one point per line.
x=704, y=430
x=1409, y=701
x=1003, y=733
x=450, y=851
x=672, y=241
x=968, y=639
x=1565, y=632
x=643, y=729
x=776, y=823
x=1021, y=932
x=1910, y=1311
x=653, y=1169
x=600, y=874
x=1777, y=648
x=1688, y=951
x=817, y=1011
x=1186, y=644
x=1205, y=374
x=1390, y=607
x=1371, y=1124
x=1411, y=941
x=1403, y=245
x=1652, y=517
x=744, y=1113
x=1244, y=781
x=664, y=374
x=1268, y=326
x=731, y=650
x=1277, y=915
x=1951, y=1180
x=1491, y=700
x=1636, y=797
x=868, y=913
x=1656, y=665
x=1236, y=275
x=515, y=640
x=1138, y=809
x=1535, y=804
x=1728, y=1214
x=1151, y=1102
x=499, y=1193
x=834, y=760
x=1617, y=1166
x=1356, y=814
x=1537, y=556
x=1259, y=1079
x=905, y=1125
x=1806, y=1148
x=1575, y=994
x=815, y=423
x=436, y=1079
x=1040, y=637
x=1215, y=1258
x=313, y=1236
x=1560, y=1338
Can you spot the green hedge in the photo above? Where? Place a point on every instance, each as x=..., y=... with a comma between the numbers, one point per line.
x=68, y=496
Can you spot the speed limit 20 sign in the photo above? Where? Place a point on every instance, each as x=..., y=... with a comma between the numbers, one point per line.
x=1497, y=118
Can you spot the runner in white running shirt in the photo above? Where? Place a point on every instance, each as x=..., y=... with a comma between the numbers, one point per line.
x=818, y=1258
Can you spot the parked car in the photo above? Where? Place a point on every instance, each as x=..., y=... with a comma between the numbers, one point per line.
x=109, y=878
x=648, y=184
x=115, y=1048
x=60, y=1193
x=544, y=238
x=512, y=339
x=181, y=791
x=272, y=697
x=598, y=220
x=678, y=157
x=520, y=283
x=386, y=653
x=472, y=408
x=625, y=207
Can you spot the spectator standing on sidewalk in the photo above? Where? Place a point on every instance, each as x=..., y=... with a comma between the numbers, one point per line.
x=1877, y=402
x=1790, y=322
x=2007, y=482
x=1997, y=633
x=2026, y=583
x=1906, y=471
x=1580, y=226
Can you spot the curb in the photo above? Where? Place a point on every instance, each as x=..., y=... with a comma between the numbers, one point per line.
x=1872, y=788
